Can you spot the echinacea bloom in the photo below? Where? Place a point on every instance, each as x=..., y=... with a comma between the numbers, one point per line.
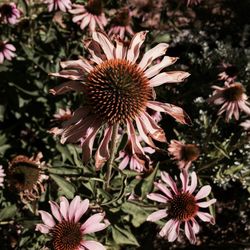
x=65, y=228
x=91, y=15
x=184, y=154
x=63, y=5
x=25, y=175
x=121, y=24
x=6, y=51
x=118, y=91
x=182, y=206
x=229, y=73
x=246, y=125
x=193, y=2
x=232, y=97
x=2, y=174
x=9, y=13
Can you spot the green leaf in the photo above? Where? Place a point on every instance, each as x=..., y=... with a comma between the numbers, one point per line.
x=123, y=236
x=66, y=155
x=8, y=212
x=139, y=215
x=65, y=171
x=67, y=188
x=222, y=150
x=233, y=169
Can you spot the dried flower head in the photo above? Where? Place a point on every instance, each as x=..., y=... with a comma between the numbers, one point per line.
x=182, y=206
x=91, y=15
x=121, y=23
x=118, y=91
x=185, y=154
x=232, y=97
x=6, y=51
x=65, y=228
x=2, y=174
x=9, y=13
x=26, y=177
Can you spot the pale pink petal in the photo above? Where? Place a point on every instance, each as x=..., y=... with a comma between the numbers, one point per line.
x=168, y=180
x=78, y=64
x=102, y=153
x=81, y=209
x=196, y=226
x=189, y=231
x=93, y=245
x=173, y=232
x=124, y=163
x=10, y=47
x=105, y=43
x=1, y=57
x=69, y=74
x=74, y=204
x=135, y=45
x=152, y=54
x=47, y=218
x=43, y=228
x=64, y=207
x=193, y=185
x=157, y=197
x=206, y=203
x=168, y=77
x=244, y=107
x=55, y=210
x=119, y=50
x=155, y=216
x=176, y=112
x=168, y=226
x=93, y=224
x=206, y=217
x=184, y=179
x=203, y=192
x=164, y=189
x=166, y=61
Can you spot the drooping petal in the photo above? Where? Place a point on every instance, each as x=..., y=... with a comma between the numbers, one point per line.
x=173, y=232
x=189, y=231
x=66, y=87
x=47, y=218
x=176, y=112
x=206, y=217
x=102, y=153
x=205, y=204
x=93, y=245
x=203, y=192
x=155, y=216
x=157, y=197
x=168, y=226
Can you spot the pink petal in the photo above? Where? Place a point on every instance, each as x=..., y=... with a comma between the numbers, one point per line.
x=70, y=74
x=93, y=224
x=206, y=203
x=160, y=214
x=157, y=197
x=168, y=226
x=168, y=77
x=184, y=179
x=167, y=179
x=189, y=231
x=173, y=232
x=152, y=54
x=43, y=228
x=85, y=21
x=193, y=185
x=105, y=43
x=196, y=227
x=10, y=47
x=74, y=204
x=206, y=217
x=78, y=64
x=64, y=206
x=154, y=70
x=47, y=219
x=135, y=44
x=93, y=245
x=102, y=153
x=204, y=192
x=124, y=163
x=55, y=210
x=164, y=189
x=176, y=112
x=81, y=209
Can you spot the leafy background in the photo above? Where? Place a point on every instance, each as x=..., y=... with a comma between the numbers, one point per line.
x=213, y=32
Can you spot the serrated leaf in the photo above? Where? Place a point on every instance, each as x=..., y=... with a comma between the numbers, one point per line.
x=67, y=188
x=123, y=236
x=8, y=212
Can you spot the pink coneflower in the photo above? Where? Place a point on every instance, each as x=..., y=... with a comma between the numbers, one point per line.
x=9, y=13
x=2, y=174
x=25, y=176
x=118, y=90
x=182, y=206
x=6, y=51
x=65, y=228
x=193, y=2
x=184, y=154
x=229, y=73
x=121, y=24
x=91, y=15
x=246, y=125
x=232, y=97
x=63, y=5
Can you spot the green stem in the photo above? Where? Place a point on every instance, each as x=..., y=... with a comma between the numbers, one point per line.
x=112, y=154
